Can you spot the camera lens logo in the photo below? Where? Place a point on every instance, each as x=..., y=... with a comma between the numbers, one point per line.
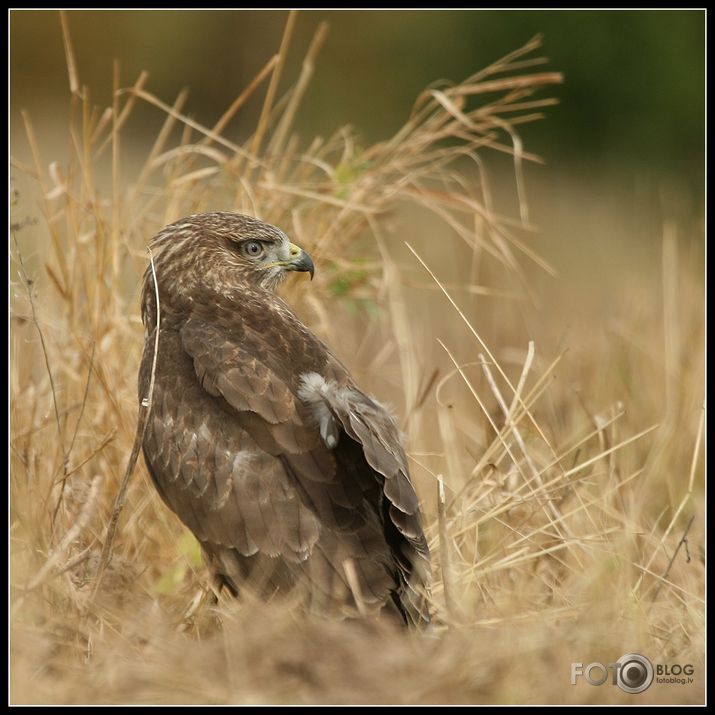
x=634, y=674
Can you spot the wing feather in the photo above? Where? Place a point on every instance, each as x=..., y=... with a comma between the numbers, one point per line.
x=251, y=463
x=216, y=478
x=373, y=428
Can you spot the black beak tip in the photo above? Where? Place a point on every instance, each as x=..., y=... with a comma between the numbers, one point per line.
x=305, y=264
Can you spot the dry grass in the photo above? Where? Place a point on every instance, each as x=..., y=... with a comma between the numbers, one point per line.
x=555, y=516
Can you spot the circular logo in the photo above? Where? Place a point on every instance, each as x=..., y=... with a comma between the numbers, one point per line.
x=635, y=674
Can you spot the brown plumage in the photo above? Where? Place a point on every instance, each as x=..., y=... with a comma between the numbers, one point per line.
x=292, y=479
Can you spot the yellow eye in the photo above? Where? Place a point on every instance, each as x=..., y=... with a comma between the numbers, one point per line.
x=254, y=249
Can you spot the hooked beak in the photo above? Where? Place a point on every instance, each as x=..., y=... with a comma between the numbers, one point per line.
x=300, y=261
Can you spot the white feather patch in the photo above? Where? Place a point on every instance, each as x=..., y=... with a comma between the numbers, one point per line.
x=319, y=393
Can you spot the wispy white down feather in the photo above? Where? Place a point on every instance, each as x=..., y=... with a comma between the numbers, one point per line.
x=318, y=393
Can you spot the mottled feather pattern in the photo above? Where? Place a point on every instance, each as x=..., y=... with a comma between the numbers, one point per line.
x=260, y=441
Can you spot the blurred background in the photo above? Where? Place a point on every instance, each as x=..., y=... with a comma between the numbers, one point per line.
x=633, y=97
x=624, y=148
x=615, y=207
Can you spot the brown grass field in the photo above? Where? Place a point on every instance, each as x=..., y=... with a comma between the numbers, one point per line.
x=550, y=389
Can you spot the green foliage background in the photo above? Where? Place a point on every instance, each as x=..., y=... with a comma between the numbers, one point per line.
x=633, y=95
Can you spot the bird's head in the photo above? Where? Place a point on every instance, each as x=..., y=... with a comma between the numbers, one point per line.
x=223, y=252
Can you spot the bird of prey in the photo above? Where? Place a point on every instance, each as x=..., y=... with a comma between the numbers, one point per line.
x=291, y=478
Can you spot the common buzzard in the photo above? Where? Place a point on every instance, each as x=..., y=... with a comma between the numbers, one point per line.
x=291, y=478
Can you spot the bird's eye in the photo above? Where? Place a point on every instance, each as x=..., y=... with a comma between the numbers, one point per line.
x=254, y=249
